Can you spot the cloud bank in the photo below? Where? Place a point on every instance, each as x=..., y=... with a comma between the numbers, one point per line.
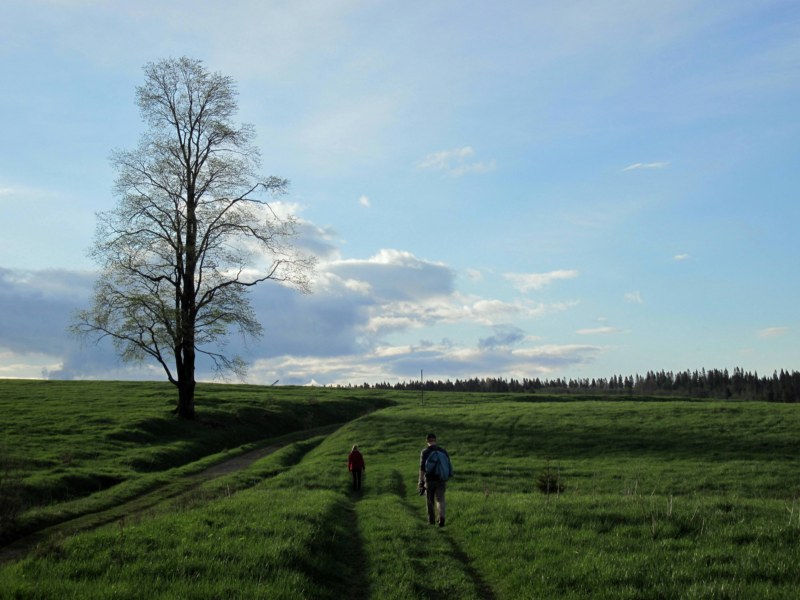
x=368, y=320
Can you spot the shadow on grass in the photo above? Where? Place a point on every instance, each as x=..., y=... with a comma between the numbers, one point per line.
x=484, y=589
x=357, y=586
x=336, y=560
x=389, y=483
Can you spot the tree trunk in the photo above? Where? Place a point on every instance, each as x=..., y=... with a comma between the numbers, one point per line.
x=185, y=407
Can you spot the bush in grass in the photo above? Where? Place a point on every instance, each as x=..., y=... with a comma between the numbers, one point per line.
x=549, y=481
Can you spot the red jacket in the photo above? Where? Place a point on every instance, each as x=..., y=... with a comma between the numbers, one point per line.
x=355, y=462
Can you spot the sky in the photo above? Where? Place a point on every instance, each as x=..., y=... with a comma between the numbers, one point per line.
x=492, y=189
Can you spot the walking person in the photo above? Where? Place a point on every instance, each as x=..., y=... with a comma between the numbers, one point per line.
x=356, y=466
x=434, y=471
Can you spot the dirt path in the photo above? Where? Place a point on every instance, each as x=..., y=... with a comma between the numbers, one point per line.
x=184, y=485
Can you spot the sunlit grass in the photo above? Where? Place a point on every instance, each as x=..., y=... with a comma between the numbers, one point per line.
x=629, y=546
x=252, y=545
x=78, y=447
x=660, y=500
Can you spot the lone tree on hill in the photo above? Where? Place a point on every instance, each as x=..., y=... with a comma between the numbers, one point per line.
x=191, y=232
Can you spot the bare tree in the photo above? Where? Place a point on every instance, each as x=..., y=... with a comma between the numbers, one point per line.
x=191, y=232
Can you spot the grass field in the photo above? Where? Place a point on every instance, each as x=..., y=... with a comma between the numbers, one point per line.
x=75, y=447
x=673, y=499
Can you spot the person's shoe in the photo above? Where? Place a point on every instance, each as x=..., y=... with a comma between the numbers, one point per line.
x=431, y=522
x=441, y=522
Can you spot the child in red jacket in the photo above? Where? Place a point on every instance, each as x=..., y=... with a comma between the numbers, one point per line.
x=355, y=464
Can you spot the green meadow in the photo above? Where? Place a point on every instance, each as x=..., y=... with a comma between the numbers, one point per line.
x=672, y=499
x=75, y=447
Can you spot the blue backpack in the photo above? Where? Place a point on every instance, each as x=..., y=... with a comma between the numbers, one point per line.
x=438, y=465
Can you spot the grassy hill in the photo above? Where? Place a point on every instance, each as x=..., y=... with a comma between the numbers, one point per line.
x=670, y=499
x=73, y=447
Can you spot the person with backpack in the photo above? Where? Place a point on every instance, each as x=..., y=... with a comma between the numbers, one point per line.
x=435, y=469
x=355, y=464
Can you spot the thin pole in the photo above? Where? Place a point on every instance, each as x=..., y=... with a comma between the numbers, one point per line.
x=421, y=389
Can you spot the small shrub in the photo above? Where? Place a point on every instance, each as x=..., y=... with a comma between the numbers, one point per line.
x=549, y=481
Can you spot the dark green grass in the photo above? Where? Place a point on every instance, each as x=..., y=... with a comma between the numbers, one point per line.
x=254, y=545
x=661, y=500
x=72, y=447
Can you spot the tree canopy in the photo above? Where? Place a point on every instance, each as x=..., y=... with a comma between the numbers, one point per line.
x=192, y=231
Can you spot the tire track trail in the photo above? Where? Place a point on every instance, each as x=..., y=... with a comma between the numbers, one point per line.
x=180, y=487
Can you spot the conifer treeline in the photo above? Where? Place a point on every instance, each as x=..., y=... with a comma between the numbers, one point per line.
x=783, y=386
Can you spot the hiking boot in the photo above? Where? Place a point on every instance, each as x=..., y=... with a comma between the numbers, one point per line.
x=441, y=522
x=431, y=522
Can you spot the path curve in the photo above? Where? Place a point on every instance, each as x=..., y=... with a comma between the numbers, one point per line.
x=183, y=485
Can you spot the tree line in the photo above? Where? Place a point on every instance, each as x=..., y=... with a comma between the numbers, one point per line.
x=781, y=386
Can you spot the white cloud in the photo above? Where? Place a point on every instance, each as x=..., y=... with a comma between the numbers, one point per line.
x=455, y=163
x=772, y=332
x=442, y=360
x=364, y=201
x=454, y=309
x=491, y=311
x=598, y=331
x=634, y=298
x=681, y=257
x=336, y=335
x=26, y=365
x=650, y=165
x=526, y=282
x=441, y=161
x=395, y=275
x=476, y=167
x=559, y=352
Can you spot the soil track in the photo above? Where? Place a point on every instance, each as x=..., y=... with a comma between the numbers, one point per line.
x=167, y=492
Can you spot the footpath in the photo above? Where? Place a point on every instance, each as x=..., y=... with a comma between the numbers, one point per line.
x=182, y=486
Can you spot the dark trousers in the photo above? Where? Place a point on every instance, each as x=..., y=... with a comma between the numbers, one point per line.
x=356, y=479
x=434, y=494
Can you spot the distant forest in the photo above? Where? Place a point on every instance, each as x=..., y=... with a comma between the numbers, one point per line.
x=781, y=386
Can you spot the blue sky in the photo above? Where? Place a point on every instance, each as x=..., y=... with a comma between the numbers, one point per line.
x=515, y=189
